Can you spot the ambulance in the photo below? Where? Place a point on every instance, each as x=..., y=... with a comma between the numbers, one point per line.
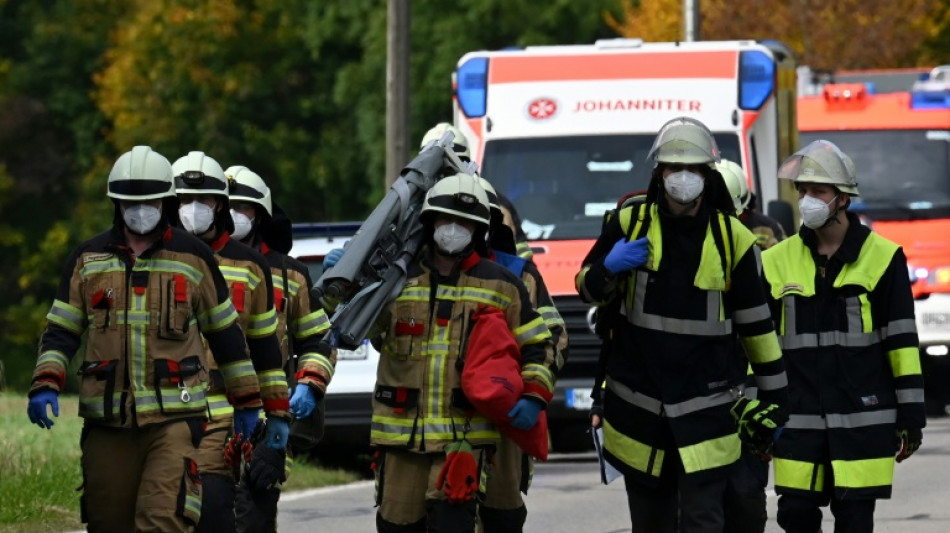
x=900, y=143
x=564, y=131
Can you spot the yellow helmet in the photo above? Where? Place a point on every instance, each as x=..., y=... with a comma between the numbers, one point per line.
x=821, y=162
x=458, y=195
x=686, y=141
x=460, y=143
x=734, y=177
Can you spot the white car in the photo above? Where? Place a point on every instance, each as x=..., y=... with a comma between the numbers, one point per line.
x=933, y=328
x=348, y=403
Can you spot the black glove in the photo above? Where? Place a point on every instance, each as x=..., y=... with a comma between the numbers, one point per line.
x=759, y=423
x=266, y=468
x=908, y=441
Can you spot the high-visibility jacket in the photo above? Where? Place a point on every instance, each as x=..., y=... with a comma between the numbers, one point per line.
x=418, y=403
x=145, y=317
x=850, y=341
x=300, y=319
x=674, y=342
x=248, y=276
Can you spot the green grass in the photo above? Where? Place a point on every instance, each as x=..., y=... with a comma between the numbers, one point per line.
x=39, y=470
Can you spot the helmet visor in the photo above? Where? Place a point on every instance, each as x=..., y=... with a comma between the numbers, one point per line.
x=684, y=140
x=820, y=162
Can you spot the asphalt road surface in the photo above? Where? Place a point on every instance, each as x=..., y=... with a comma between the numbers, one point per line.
x=567, y=498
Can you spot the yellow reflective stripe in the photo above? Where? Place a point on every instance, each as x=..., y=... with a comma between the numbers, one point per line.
x=435, y=428
x=311, y=324
x=55, y=357
x=138, y=318
x=262, y=325
x=863, y=473
x=237, y=274
x=712, y=453
x=168, y=265
x=551, y=316
x=193, y=503
x=272, y=378
x=292, y=287
x=448, y=292
x=762, y=348
x=236, y=370
x=94, y=406
x=67, y=316
x=905, y=361
x=147, y=402
x=219, y=407
x=318, y=359
x=866, y=320
x=523, y=250
x=540, y=372
x=138, y=334
x=799, y=475
x=533, y=332
x=437, y=373
x=218, y=317
x=113, y=264
x=632, y=452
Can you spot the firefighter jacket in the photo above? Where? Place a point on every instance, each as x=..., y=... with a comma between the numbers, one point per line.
x=418, y=403
x=846, y=325
x=248, y=276
x=145, y=317
x=300, y=321
x=674, y=340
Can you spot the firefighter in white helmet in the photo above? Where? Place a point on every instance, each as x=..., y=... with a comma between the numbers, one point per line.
x=420, y=416
x=766, y=230
x=841, y=296
x=261, y=224
x=687, y=277
x=142, y=295
x=203, y=192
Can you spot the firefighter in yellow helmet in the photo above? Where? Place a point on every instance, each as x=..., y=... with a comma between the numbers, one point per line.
x=203, y=192
x=766, y=230
x=841, y=297
x=260, y=224
x=142, y=294
x=690, y=291
x=420, y=416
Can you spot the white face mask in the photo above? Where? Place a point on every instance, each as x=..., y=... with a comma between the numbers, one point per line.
x=242, y=225
x=141, y=218
x=452, y=238
x=684, y=186
x=196, y=217
x=814, y=212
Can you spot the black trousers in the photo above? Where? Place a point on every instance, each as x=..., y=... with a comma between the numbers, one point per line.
x=744, y=499
x=802, y=514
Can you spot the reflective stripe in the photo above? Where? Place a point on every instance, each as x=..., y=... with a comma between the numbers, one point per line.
x=137, y=337
x=762, y=348
x=905, y=361
x=317, y=359
x=218, y=317
x=829, y=338
x=311, y=324
x=540, y=372
x=899, y=327
x=439, y=428
x=637, y=399
x=436, y=379
x=168, y=265
x=236, y=274
x=219, y=407
x=138, y=318
x=632, y=452
x=910, y=395
x=775, y=382
x=292, y=287
x=752, y=315
x=712, y=326
x=193, y=503
x=67, y=316
x=261, y=325
x=854, y=315
x=448, y=292
x=113, y=264
x=674, y=410
x=840, y=421
x=55, y=357
x=863, y=473
x=712, y=453
x=272, y=378
x=235, y=370
x=551, y=317
x=94, y=407
x=147, y=402
x=533, y=332
x=799, y=475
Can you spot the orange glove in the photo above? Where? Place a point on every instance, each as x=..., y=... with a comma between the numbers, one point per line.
x=459, y=475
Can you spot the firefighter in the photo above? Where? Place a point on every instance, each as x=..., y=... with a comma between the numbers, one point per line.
x=691, y=288
x=300, y=327
x=203, y=192
x=421, y=420
x=503, y=509
x=767, y=231
x=144, y=292
x=840, y=295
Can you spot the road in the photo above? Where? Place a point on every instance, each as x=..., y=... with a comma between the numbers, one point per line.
x=566, y=498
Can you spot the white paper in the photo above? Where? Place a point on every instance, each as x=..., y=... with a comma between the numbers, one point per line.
x=607, y=471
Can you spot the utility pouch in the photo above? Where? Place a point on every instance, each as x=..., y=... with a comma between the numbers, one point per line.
x=102, y=303
x=175, y=373
x=101, y=371
x=176, y=309
x=189, y=493
x=399, y=398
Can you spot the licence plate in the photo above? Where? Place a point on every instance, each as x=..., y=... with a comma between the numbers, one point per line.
x=359, y=354
x=579, y=399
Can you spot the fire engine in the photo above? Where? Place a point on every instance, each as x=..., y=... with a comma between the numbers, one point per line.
x=900, y=143
x=564, y=131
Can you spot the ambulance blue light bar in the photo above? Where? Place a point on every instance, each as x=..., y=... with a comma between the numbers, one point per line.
x=472, y=79
x=756, y=79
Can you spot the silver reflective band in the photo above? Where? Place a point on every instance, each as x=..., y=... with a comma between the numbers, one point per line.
x=712, y=326
x=839, y=421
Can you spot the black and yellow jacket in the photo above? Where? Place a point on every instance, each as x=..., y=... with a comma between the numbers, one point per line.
x=846, y=325
x=418, y=403
x=248, y=277
x=145, y=317
x=674, y=342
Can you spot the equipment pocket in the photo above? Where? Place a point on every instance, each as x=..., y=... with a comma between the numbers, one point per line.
x=189, y=493
x=176, y=308
x=102, y=302
x=178, y=384
x=399, y=398
x=101, y=385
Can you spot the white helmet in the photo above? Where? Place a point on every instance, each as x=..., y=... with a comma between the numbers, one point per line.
x=460, y=143
x=141, y=174
x=489, y=191
x=247, y=186
x=198, y=173
x=734, y=177
x=686, y=141
x=459, y=195
x=821, y=162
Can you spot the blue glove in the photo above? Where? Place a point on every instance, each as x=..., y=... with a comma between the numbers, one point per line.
x=525, y=413
x=278, y=432
x=332, y=257
x=245, y=421
x=37, y=407
x=303, y=402
x=627, y=255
